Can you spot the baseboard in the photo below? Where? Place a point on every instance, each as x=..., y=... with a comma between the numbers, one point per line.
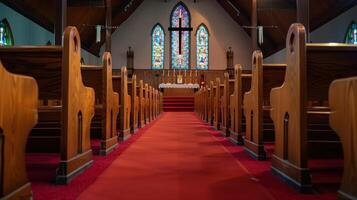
x=79, y=163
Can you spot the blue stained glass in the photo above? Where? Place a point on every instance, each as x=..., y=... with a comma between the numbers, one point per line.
x=351, y=36
x=180, y=61
x=158, y=47
x=6, y=37
x=202, y=41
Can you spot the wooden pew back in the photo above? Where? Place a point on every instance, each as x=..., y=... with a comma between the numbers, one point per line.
x=241, y=85
x=264, y=77
x=120, y=84
x=107, y=101
x=18, y=115
x=343, y=100
x=57, y=72
x=310, y=69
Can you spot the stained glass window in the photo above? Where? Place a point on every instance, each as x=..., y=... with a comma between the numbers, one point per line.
x=6, y=38
x=180, y=60
x=351, y=35
x=158, y=47
x=202, y=41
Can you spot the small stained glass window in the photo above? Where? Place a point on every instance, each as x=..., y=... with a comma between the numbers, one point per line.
x=351, y=35
x=6, y=37
x=202, y=44
x=158, y=47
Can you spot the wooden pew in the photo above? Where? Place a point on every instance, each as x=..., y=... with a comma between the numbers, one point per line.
x=217, y=119
x=210, y=103
x=64, y=129
x=107, y=103
x=120, y=85
x=147, y=104
x=343, y=104
x=225, y=105
x=156, y=103
x=150, y=93
x=310, y=70
x=257, y=106
x=241, y=85
x=141, y=119
x=134, y=113
x=18, y=115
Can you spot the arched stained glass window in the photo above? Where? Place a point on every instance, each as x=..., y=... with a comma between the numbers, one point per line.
x=6, y=37
x=158, y=47
x=180, y=60
x=351, y=35
x=202, y=50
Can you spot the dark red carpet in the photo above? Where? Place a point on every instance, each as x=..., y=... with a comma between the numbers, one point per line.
x=42, y=167
x=178, y=157
x=178, y=104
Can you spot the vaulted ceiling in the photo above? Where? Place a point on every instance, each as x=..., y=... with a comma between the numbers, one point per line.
x=277, y=13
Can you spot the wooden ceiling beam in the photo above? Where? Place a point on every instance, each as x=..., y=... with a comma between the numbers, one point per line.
x=277, y=4
x=29, y=12
x=90, y=3
x=340, y=6
x=120, y=15
x=244, y=20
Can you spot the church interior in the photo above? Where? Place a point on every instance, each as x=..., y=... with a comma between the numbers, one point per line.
x=178, y=100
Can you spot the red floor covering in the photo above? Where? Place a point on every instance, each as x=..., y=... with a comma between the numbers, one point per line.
x=177, y=157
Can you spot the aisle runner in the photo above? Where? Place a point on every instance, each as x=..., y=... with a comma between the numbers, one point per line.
x=177, y=158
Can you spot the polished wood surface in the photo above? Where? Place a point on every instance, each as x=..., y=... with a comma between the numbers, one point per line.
x=217, y=104
x=58, y=75
x=18, y=115
x=141, y=96
x=120, y=85
x=343, y=100
x=241, y=85
x=264, y=77
x=225, y=106
x=310, y=70
x=134, y=113
x=107, y=102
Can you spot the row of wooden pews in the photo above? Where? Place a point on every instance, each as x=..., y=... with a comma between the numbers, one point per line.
x=302, y=114
x=51, y=105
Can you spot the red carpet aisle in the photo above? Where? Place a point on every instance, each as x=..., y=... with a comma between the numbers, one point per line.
x=177, y=158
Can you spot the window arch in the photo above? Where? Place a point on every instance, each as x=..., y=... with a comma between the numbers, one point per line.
x=180, y=61
x=351, y=35
x=6, y=37
x=157, y=47
x=202, y=47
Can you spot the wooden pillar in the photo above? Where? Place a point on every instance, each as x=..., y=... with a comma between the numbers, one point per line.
x=254, y=24
x=303, y=16
x=60, y=20
x=108, y=24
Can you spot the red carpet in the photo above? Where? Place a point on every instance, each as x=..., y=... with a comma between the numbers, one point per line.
x=176, y=159
x=41, y=169
x=178, y=104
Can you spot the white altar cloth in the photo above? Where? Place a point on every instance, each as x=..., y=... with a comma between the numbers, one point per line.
x=170, y=85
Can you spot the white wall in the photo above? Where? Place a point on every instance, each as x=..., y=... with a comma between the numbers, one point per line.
x=26, y=32
x=224, y=32
x=333, y=31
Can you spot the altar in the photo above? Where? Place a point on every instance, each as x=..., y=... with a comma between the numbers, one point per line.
x=175, y=89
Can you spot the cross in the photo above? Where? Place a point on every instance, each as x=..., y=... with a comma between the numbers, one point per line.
x=180, y=29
